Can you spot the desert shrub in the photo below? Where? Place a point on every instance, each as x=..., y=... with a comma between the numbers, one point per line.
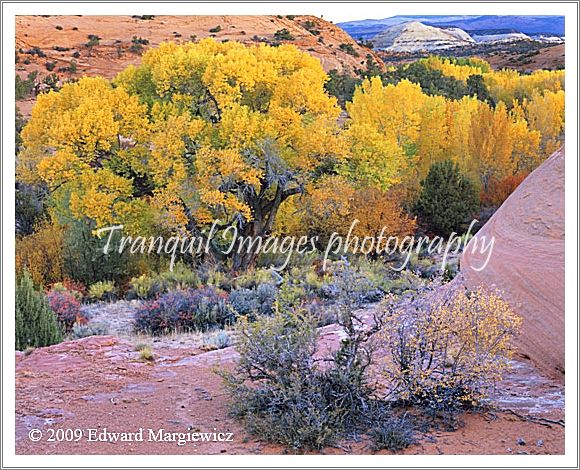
x=215, y=277
x=349, y=49
x=137, y=44
x=310, y=26
x=499, y=190
x=146, y=354
x=277, y=354
x=36, y=51
x=94, y=40
x=361, y=288
x=220, y=340
x=258, y=301
x=449, y=345
x=184, y=310
x=448, y=199
x=52, y=82
x=283, y=35
x=30, y=204
x=50, y=66
x=84, y=260
x=24, y=88
x=80, y=330
x=423, y=266
x=76, y=54
x=148, y=286
x=181, y=277
x=143, y=17
x=254, y=278
x=282, y=393
x=102, y=290
x=312, y=280
x=393, y=433
x=405, y=282
x=41, y=254
x=74, y=288
x=142, y=287
x=291, y=294
x=36, y=324
x=66, y=307
x=216, y=29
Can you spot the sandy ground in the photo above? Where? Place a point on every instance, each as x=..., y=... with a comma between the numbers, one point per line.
x=527, y=262
x=101, y=383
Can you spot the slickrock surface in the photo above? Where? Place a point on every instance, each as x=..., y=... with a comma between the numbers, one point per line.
x=527, y=262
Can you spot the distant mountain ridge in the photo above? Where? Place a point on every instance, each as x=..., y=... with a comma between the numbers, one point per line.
x=527, y=24
x=415, y=36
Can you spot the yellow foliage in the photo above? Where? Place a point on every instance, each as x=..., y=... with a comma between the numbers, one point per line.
x=333, y=203
x=459, y=72
x=508, y=85
x=223, y=130
x=377, y=210
x=41, y=254
x=450, y=350
x=504, y=85
x=188, y=134
x=397, y=132
x=329, y=206
x=96, y=195
x=86, y=117
x=545, y=114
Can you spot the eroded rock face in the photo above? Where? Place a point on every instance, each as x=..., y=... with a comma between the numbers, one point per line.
x=415, y=36
x=527, y=262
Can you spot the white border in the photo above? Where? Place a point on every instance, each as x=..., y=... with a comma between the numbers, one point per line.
x=336, y=12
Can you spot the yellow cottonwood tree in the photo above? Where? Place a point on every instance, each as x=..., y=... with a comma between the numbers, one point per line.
x=197, y=132
x=383, y=132
x=545, y=114
x=73, y=142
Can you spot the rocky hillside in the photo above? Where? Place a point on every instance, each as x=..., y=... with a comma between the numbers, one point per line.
x=415, y=36
x=527, y=262
x=119, y=40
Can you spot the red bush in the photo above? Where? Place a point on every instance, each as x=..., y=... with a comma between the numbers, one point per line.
x=66, y=307
x=499, y=190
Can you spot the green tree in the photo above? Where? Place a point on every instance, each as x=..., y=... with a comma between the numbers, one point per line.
x=447, y=199
x=476, y=87
x=342, y=86
x=36, y=323
x=433, y=82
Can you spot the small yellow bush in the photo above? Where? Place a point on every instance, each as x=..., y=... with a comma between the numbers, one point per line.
x=41, y=253
x=448, y=347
